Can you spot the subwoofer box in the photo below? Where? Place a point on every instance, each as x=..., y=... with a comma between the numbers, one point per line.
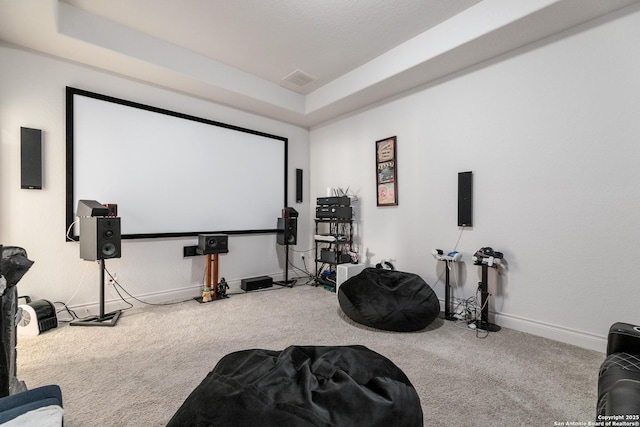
x=254, y=283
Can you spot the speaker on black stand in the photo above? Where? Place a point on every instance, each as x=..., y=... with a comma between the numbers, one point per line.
x=287, y=234
x=100, y=239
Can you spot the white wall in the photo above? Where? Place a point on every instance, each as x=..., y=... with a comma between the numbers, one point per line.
x=551, y=135
x=32, y=94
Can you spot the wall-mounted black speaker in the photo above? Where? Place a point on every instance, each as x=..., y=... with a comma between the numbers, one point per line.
x=298, y=185
x=30, y=158
x=465, y=199
x=100, y=238
x=287, y=231
x=212, y=244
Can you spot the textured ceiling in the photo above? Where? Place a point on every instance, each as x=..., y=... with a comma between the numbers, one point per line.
x=237, y=52
x=272, y=38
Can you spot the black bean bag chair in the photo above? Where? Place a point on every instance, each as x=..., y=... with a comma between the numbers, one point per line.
x=388, y=299
x=303, y=386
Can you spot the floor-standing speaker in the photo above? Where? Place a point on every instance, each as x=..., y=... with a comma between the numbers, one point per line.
x=298, y=185
x=30, y=158
x=465, y=199
x=100, y=238
x=287, y=231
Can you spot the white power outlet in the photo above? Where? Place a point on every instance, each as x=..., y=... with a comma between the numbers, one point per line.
x=112, y=279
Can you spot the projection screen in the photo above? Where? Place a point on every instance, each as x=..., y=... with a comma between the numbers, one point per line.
x=171, y=174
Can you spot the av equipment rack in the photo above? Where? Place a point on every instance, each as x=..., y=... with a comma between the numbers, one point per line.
x=333, y=236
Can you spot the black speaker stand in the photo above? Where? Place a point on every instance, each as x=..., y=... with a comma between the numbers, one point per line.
x=484, y=300
x=447, y=315
x=286, y=282
x=108, y=319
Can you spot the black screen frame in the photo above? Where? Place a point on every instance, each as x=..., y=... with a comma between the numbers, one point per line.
x=70, y=232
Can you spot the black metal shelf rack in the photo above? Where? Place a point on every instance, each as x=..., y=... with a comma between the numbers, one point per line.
x=333, y=238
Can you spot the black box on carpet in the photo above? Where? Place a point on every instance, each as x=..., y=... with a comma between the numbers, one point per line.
x=254, y=283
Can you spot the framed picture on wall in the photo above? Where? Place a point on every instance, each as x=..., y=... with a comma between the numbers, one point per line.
x=387, y=172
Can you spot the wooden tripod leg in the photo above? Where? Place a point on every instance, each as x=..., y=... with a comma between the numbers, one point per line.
x=214, y=287
x=207, y=280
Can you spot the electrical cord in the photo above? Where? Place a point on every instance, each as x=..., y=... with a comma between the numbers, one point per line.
x=71, y=313
x=459, y=236
x=307, y=274
x=118, y=285
x=84, y=273
x=478, y=290
x=470, y=308
x=450, y=265
x=306, y=271
x=69, y=231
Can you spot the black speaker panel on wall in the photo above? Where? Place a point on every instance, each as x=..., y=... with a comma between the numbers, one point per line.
x=30, y=158
x=100, y=238
x=298, y=185
x=465, y=199
x=287, y=231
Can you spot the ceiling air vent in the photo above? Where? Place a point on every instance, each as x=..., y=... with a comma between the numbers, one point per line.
x=299, y=78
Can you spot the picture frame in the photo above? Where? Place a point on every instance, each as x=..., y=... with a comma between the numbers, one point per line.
x=387, y=172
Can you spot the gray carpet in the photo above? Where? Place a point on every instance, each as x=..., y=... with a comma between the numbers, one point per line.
x=140, y=371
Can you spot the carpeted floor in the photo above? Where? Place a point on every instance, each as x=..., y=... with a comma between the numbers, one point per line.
x=140, y=371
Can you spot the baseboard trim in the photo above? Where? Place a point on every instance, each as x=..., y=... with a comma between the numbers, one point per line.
x=554, y=332
x=164, y=297
x=112, y=304
x=550, y=331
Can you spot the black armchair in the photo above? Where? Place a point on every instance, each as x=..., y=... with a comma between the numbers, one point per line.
x=619, y=377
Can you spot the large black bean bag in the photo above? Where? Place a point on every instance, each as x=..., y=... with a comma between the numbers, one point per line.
x=388, y=299
x=303, y=386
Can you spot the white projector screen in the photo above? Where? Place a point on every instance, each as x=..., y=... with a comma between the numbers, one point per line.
x=169, y=173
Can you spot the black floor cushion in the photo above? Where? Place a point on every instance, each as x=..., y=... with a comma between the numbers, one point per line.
x=303, y=386
x=388, y=299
